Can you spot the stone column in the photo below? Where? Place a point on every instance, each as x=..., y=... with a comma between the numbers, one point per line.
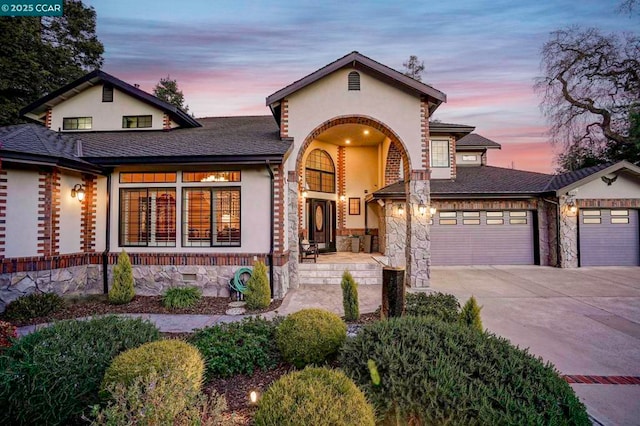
x=293, y=224
x=395, y=238
x=418, y=252
x=568, y=255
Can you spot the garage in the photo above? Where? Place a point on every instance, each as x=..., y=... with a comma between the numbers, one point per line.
x=609, y=237
x=484, y=238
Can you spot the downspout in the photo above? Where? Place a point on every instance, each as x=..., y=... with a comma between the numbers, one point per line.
x=557, y=229
x=272, y=235
x=107, y=239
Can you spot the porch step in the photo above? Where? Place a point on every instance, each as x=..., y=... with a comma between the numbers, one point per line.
x=331, y=273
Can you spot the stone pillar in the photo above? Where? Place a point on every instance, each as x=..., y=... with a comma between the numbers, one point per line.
x=568, y=256
x=418, y=253
x=395, y=234
x=548, y=233
x=293, y=225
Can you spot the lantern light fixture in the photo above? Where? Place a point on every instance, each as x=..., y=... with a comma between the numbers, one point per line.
x=78, y=192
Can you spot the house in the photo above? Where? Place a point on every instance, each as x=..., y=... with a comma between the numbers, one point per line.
x=347, y=150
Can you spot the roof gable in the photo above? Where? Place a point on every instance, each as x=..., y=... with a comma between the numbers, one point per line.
x=474, y=140
x=369, y=66
x=566, y=182
x=54, y=98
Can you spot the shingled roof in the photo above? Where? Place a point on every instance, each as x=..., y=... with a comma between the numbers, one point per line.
x=474, y=140
x=566, y=179
x=33, y=143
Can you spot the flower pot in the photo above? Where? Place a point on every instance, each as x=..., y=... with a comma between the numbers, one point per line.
x=355, y=244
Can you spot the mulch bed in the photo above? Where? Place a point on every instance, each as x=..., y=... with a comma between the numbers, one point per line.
x=99, y=305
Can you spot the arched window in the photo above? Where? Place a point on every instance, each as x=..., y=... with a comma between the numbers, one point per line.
x=354, y=81
x=320, y=172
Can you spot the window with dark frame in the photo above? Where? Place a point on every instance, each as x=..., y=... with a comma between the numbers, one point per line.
x=219, y=176
x=354, y=205
x=147, y=177
x=440, y=153
x=354, y=80
x=107, y=93
x=320, y=172
x=147, y=217
x=211, y=217
x=77, y=123
x=136, y=121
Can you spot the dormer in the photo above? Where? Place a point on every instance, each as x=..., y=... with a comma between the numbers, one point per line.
x=471, y=150
x=99, y=102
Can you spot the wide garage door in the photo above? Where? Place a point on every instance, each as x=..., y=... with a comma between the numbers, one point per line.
x=483, y=238
x=609, y=237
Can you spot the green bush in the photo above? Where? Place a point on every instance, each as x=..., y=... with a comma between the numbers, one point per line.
x=258, y=294
x=310, y=336
x=432, y=372
x=441, y=306
x=238, y=347
x=33, y=306
x=122, y=290
x=181, y=297
x=314, y=397
x=470, y=314
x=54, y=374
x=350, y=297
x=153, y=399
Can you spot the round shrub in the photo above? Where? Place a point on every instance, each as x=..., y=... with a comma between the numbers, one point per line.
x=54, y=374
x=317, y=397
x=442, y=306
x=310, y=336
x=33, y=306
x=238, y=347
x=431, y=372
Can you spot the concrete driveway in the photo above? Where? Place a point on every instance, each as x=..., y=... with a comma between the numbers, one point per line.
x=586, y=321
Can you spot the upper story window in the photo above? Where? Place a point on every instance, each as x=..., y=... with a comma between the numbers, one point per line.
x=440, y=153
x=107, y=93
x=354, y=80
x=320, y=172
x=77, y=123
x=136, y=121
x=147, y=177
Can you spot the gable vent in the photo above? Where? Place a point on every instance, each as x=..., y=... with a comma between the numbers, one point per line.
x=354, y=81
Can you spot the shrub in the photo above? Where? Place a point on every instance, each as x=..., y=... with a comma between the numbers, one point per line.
x=310, y=336
x=314, y=396
x=152, y=400
x=33, y=306
x=433, y=372
x=238, y=347
x=8, y=332
x=258, y=294
x=122, y=290
x=53, y=374
x=441, y=306
x=181, y=297
x=350, y=297
x=470, y=314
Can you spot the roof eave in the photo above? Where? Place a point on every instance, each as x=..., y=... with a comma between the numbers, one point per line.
x=190, y=160
x=476, y=147
x=27, y=158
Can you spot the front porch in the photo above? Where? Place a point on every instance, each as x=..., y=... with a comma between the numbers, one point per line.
x=366, y=268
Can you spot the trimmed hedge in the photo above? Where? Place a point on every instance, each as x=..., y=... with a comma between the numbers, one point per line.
x=122, y=289
x=258, y=294
x=238, y=347
x=314, y=397
x=442, y=306
x=431, y=372
x=350, y=297
x=310, y=336
x=52, y=375
x=33, y=305
x=181, y=297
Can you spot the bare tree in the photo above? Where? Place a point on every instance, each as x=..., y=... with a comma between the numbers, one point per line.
x=590, y=89
x=628, y=6
x=414, y=68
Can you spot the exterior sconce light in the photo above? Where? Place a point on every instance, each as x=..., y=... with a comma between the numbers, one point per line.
x=572, y=208
x=78, y=191
x=400, y=209
x=343, y=197
x=305, y=191
x=422, y=209
x=432, y=210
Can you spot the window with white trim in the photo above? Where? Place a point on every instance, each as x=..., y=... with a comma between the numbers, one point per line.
x=440, y=153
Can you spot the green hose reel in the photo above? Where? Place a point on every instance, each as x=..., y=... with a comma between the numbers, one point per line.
x=237, y=283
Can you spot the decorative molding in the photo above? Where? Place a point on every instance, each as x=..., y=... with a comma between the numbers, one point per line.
x=609, y=202
x=88, y=215
x=424, y=132
x=3, y=209
x=341, y=220
x=49, y=213
x=530, y=204
x=284, y=118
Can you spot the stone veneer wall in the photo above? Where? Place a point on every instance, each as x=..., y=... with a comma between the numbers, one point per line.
x=418, y=250
x=395, y=235
x=548, y=233
x=294, y=230
x=568, y=256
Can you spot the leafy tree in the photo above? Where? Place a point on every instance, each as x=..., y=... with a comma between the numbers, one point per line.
x=414, y=68
x=167, y=90
x=591, y=94
x=41, y=54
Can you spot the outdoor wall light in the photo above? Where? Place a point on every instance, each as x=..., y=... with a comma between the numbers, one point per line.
x=432, y=210
x=305, y=191
x=343, y=197
x=572, y=206
x=422, y=209
x=78, y=191
x=400, y=209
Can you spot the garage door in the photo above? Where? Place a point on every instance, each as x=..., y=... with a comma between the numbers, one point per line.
x=482, y=238
x=609, y=237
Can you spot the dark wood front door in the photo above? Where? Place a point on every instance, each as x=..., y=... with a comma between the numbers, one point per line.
x=321, y=227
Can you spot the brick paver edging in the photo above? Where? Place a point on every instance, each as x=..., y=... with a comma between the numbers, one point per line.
x=603, y=380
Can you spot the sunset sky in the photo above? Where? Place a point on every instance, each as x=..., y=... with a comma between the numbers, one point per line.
x=229, y=55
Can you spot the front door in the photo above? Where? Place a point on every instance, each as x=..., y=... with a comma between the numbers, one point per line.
x=321, y=227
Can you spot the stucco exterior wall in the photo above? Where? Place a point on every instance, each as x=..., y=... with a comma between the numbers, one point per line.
x=460, y=161
x=106, y=115
x=22, y=213
x=255, y=219
x=329, y=98
x=623, y=187
x=70, y=215
x=361, y=176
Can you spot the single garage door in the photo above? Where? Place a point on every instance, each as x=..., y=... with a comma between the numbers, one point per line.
x=483, y=238
x=609, y=237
